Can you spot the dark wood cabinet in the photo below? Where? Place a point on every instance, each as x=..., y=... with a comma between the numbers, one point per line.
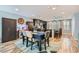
x=40, y=23
x=8, y=29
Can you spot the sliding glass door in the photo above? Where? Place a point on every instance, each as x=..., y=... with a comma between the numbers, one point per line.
x=67, y=25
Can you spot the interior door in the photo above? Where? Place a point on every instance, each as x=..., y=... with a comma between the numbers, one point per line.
x=8, y=29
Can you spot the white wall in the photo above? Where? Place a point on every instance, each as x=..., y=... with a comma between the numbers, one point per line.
x=75, y=26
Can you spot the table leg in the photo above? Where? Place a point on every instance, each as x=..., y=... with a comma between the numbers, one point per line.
x=27, y=42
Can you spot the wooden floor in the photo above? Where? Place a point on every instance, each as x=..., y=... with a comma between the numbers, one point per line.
x=74, y=44
x=10, y=47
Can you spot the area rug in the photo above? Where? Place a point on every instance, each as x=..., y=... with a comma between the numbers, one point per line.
x=35, y=49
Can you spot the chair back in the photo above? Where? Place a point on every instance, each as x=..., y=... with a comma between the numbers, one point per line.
x=47, y=34
x=29, y=34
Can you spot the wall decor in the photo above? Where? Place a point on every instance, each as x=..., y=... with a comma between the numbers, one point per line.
x=20, y=20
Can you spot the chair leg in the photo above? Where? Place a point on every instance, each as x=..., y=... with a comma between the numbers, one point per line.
x=23, y=40
x=37, y=43
x=45, y=44
x=31, y=43
x=48, y=42
x=40, y=48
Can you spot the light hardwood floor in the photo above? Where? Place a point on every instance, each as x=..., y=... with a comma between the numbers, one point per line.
x=10, y=47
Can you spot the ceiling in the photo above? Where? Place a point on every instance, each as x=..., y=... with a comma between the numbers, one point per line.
x=43, y=12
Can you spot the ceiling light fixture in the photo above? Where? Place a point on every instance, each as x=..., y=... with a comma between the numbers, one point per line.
x=17, y=9
x=48, y=7
x=54, y=8
x=33, y=15
x=62, y=12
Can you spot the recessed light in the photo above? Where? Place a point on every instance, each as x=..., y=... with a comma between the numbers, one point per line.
x=33, y=15
x=62, y=12
x=48, y=7
x=17, y=9
x=54, y=8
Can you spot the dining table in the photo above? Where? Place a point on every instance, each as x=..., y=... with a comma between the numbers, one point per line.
x=37, y=36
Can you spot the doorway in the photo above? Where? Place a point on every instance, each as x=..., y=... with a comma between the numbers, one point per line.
x=8, y=29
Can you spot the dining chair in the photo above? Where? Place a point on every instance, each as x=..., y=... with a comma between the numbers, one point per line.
x=47, y=35
x=29, y=37
x=45, y=39
x=23, y=34
x=39, y=39
x=23, y=37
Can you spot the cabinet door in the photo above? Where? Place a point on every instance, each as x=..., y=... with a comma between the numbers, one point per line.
x=8, y=29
